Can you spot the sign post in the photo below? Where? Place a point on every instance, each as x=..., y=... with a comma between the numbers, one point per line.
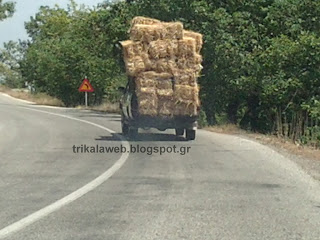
x=86, y=98
x=86, y=87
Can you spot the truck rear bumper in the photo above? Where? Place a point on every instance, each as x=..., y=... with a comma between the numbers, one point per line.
x=163, y=123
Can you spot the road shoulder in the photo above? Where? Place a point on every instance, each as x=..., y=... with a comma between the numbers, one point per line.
x=305, y=157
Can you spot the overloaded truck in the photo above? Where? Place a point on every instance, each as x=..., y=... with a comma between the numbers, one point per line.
x=163, y=63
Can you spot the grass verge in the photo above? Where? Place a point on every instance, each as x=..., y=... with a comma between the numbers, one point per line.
x=44, y=99
x=104, y=107
x=38, y=98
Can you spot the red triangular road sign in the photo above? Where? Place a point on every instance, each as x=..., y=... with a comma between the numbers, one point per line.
x=86, y=86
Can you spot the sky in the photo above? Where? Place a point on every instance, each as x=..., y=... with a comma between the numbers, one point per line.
x=13, y=28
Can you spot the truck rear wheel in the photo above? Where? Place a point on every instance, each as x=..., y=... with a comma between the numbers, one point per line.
x=190, y=134
x=133, y=132
x=179, y=131
x=125, y=128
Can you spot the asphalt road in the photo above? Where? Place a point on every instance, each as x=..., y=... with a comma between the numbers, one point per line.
x=224, y=188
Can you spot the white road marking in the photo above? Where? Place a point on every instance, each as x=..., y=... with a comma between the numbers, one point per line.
x=26, y=221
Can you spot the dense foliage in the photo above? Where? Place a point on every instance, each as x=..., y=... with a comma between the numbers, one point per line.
x=261, y=58
x=6, y=9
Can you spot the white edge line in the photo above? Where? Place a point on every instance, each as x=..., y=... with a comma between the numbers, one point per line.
x=26, y=221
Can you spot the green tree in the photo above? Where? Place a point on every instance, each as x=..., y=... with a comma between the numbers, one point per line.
x=6, y=9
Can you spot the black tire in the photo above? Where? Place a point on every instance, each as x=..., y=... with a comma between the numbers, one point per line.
x=133, y=132
x=125, y=128
x=190, y=134
x=179, y=131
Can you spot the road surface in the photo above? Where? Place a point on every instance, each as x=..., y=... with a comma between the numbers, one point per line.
x=224, y=188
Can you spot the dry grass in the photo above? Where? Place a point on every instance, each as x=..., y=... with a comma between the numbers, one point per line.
x=277, y=142
x=38, y=98
x=104, y=107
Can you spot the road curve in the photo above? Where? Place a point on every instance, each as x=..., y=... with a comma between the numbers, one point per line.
x=226, y=187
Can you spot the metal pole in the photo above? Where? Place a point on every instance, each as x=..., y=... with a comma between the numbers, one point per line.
x=86, y=98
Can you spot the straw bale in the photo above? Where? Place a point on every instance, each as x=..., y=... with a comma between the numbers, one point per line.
x=186, y=93
x=185, y=109
x=148, y=103
x=165, y=92
x=173, y=49
x=131, y=48
x=197, y=69
x=160, y=49
x=165, y=84
x=145, y=83
x=185, y=77
x=174, y=30
x=145, y=90
x=189, y=62
x=197, y=37
x=165, y=88
x=155, y=76
x=165, y=105
x=147, y=33
x=144, y=20
x=164, y=65
x=193, y=63
x=148, y=63
x=187, y=47
x=134, y=65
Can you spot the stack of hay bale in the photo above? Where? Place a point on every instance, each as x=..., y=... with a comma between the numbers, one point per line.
x=165, y=61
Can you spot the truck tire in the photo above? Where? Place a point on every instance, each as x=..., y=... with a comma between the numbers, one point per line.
x=190, y=134
x=179, y=131
x=124, y=128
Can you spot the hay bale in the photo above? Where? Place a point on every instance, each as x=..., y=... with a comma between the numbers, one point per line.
x=144, y=20
x=165, y=92
x=145, y=83
x=165, y=88
x=164, y=84
x=186, y=93
x=198, y=38
x=145, y=90
x=165, y=61
x=185, y=77
x=162, y=66
x=192, y=63
x=149, y=33
x=147, y=103
x=165, y=105
x=165, y=66
x=134, y=65
x=187, y=47
x=148, y=63
x=173, y=49
x=131, y=48
x=185, y=109
x=174, y=30
x=155, y=76
x=185, y=62
x=160, y=49
x=197, y=68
